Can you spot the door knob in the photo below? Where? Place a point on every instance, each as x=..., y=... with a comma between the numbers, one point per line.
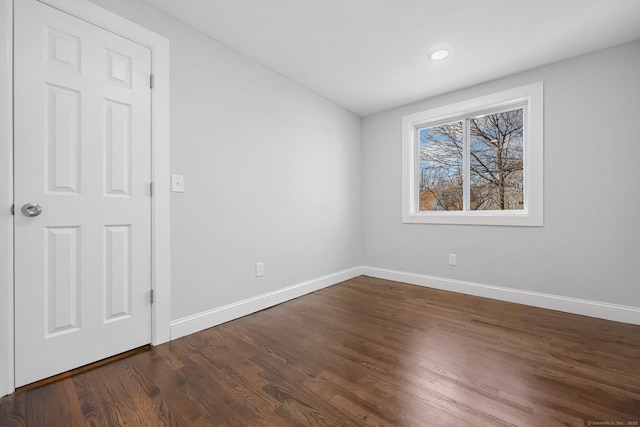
x=31, y=209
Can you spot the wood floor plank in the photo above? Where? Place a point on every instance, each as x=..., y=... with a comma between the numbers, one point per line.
x=12, y=411
x=366, y=352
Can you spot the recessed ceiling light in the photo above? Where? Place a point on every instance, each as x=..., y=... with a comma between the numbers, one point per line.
x=439, y=55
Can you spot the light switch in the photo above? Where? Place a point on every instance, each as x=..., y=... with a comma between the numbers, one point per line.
x=177, y=183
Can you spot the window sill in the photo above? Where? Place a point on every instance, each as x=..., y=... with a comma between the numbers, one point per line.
x=518, y=219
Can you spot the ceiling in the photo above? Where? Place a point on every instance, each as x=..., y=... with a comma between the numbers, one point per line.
x=373, y=55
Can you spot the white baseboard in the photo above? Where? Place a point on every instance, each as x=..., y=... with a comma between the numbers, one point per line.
x=601, y=310
x=207, y=319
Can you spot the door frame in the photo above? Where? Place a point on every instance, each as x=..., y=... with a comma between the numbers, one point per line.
x=160, y=217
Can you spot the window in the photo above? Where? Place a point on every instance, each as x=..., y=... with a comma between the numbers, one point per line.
x=476, y=162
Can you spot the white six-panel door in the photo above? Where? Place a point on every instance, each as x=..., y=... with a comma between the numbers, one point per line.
x=83, y=154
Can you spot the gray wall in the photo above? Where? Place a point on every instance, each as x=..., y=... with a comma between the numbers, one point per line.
x=272, y=173
x=589, y=246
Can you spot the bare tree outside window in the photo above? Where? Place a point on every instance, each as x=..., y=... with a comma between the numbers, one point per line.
x=441, y=167
x=495, y=163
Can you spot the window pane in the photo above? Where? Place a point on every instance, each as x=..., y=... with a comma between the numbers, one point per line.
x=440, y=167
x=496, y=162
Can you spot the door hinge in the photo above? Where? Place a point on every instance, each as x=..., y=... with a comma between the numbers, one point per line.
x=151, y=296
x=12, y=210
x=151, y=189
x=151, y=81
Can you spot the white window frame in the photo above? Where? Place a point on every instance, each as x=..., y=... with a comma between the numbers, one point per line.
x=529, y=97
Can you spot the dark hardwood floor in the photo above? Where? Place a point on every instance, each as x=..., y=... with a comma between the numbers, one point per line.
x=364, y=352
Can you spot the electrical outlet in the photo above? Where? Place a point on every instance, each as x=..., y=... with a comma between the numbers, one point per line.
x=453, y=259
x=259, y=269
x=177, y=183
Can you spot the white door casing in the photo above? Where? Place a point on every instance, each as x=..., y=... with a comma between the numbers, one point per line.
x=82, y=150
x=6, y=197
